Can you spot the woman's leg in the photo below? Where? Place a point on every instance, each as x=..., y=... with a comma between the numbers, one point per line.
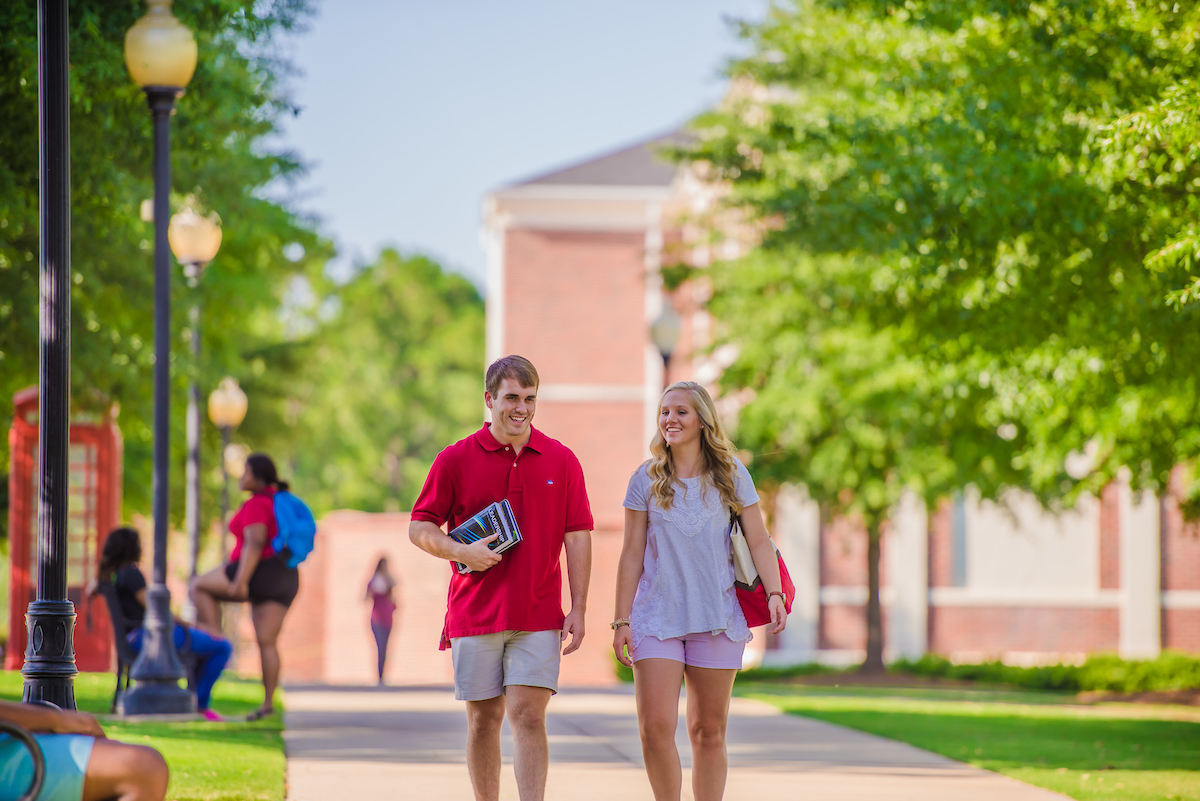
x=208, y=590
x=267, y=617
x=382, y=633
x=708, y=695
x=214, y=653
x=125, y=772
x=656, y=684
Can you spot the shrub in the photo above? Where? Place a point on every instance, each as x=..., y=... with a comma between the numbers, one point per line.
x=1171, y=670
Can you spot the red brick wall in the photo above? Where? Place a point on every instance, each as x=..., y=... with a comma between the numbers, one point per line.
x=843, y=554
x=1180, y=546
x=607, y=440
x=327, y=638
x=302, y=640
x=1110, y=538
x=1181, y=629
x=592, y=664
x=574, y=304
x=941, y=547
x=842, y=626
x=995, y=630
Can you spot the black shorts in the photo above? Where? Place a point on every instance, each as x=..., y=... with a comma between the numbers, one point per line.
x=272, y=580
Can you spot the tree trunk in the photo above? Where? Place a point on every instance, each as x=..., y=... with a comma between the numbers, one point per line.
x=874, y=661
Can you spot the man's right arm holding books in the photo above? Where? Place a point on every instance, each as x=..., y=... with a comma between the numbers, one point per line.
x=430, y=538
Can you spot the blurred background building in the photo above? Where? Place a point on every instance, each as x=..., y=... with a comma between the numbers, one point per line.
x=576, y=262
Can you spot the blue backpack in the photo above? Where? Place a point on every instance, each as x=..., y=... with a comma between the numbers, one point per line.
x=297, y=528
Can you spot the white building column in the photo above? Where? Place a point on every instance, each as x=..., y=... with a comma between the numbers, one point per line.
x=797, y=534
x=493, y=234
x=1141, y=600
x=907, y=557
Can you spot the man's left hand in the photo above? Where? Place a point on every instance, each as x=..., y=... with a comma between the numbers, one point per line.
x=573, y=625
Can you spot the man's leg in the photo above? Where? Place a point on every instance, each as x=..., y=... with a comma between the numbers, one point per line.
x=479, y=680
x=125, y=772
x=484, y=719
x=531, y=754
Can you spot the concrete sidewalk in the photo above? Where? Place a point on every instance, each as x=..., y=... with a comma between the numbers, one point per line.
x=360, y=744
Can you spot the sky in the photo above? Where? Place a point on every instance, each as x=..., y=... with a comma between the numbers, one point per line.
x=412, y=111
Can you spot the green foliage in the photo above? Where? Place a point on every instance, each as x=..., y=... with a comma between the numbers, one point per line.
x=229, y=761
x=391, y=373
x=1101, y=672
x=219, y=151
x=785, y=672
x=995, y=175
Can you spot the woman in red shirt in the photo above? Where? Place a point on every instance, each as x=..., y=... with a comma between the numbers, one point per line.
x=254, y=573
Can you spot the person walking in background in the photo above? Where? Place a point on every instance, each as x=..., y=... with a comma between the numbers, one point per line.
x=380, y=592
x=677, y=613
x=254, y=573
x=119, y=567
x=505, y=619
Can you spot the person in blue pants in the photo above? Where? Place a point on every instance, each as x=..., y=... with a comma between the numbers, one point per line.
x=118, y=564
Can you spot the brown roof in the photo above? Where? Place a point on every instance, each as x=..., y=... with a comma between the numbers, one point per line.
x=636, y=165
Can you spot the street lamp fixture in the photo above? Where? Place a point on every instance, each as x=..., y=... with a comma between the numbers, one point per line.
x=227, y=406
x=161, y=56
x=49, y=669
x=195, y=240
x=664, y=332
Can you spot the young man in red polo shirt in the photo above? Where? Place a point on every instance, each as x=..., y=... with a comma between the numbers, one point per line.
x=504, y=619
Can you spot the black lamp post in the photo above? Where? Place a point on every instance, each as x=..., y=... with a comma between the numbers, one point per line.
x=194, y=240
x=49, y=669
x=161, y=56
x=227, y=405
x=664, y=332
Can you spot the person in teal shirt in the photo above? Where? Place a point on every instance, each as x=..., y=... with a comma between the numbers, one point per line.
x=81, y=763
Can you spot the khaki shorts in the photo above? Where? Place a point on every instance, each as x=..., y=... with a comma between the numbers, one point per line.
x=487, y=663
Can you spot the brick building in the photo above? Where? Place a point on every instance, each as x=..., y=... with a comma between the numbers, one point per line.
x=574, y=260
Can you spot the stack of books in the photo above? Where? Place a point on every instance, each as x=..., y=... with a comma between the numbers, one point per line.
x=496, y=518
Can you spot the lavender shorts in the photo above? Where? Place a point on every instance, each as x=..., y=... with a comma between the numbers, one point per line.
x=698, y=650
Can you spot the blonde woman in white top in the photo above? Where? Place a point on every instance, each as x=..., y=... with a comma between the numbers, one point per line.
x=677, y=613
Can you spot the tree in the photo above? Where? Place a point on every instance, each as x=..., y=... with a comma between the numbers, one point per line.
x=219, y=151
x=392, y=373
x=971, y=173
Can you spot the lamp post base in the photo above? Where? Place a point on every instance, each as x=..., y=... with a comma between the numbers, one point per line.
x=49, y=669
x=158, y=670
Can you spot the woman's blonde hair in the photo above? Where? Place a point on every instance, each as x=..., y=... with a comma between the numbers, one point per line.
x=715, y=449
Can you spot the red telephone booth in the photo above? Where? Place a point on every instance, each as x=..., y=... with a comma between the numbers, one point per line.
x=94, y=509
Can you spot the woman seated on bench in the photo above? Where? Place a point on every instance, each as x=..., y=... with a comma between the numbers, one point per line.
x=118, y=564
x=80, y=762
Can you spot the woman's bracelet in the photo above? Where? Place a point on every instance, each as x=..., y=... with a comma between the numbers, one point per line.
x=782, y=597
x=616, y=624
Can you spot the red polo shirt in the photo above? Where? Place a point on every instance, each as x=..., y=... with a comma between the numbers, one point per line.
x=544, y=485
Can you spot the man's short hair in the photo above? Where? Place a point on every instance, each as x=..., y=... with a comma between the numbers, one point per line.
x=516, y=367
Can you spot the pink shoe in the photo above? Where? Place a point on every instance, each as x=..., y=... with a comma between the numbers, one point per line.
x=210, y=715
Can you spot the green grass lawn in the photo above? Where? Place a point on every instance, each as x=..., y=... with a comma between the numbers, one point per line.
x=1111, y=751
x=232, y=761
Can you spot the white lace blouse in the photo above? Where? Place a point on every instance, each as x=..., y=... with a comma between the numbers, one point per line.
x=687, y=573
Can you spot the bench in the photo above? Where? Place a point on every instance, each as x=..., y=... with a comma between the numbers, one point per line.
x=125, y=654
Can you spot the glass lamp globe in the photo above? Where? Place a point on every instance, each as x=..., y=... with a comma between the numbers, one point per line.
x=234, y=458
x=159, y=49
x=664, y=331
x=194, y=238
x=227, y=404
